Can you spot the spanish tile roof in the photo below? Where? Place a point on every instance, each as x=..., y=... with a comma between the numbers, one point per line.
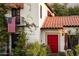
x=15, y=5
x=61, y=21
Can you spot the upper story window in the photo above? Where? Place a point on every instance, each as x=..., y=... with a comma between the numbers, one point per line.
x=40, y=11
x=16, y=12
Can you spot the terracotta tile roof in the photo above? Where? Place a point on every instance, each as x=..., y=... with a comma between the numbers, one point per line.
x=61, y=21
x=15, y=5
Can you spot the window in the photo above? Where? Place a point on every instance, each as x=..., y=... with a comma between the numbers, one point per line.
x=69, y=43
x=72, y=41
x=16, y=12
x=40, y=11
x=13, y=12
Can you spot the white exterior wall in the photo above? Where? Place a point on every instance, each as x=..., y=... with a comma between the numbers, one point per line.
x=31, y=14
x=41, y=20
x=72, y=29
x=61, y=43
x=44, y=14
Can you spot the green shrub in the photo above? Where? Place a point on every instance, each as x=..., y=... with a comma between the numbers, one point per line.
x=19, y=50
x=2, y=50
x=61, y=54
x=32, y=48
x=70, y=53
x=77, y=49
x=35, y=49
x=49, y=53
x=42, y=51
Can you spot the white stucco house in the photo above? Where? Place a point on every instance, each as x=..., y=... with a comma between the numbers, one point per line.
x=47, y=28
x=55, y=29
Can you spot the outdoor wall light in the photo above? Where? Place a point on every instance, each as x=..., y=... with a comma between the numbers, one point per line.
x=63, y=32
x=76, y=30
x=69, y=32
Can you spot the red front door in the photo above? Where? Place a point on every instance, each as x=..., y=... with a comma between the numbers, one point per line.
x=53, y=43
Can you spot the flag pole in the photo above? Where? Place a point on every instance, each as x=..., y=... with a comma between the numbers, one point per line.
x=10, y=44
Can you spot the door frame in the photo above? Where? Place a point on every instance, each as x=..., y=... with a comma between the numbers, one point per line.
x=53, y=33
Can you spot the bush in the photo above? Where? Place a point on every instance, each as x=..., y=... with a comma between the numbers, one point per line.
x=74, y=52
x=19, y=49
x=29, y=49
x=70, y=53
x=42, y=52
x=18, y=52
x=2, y=50
x=32, y=49
x=49, y=53
x=61, y=54
x=77, y=49
x=35, y=49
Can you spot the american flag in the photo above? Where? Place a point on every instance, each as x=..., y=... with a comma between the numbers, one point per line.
x=11, y=22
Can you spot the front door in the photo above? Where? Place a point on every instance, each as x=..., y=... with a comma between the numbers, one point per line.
x=53, y=43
